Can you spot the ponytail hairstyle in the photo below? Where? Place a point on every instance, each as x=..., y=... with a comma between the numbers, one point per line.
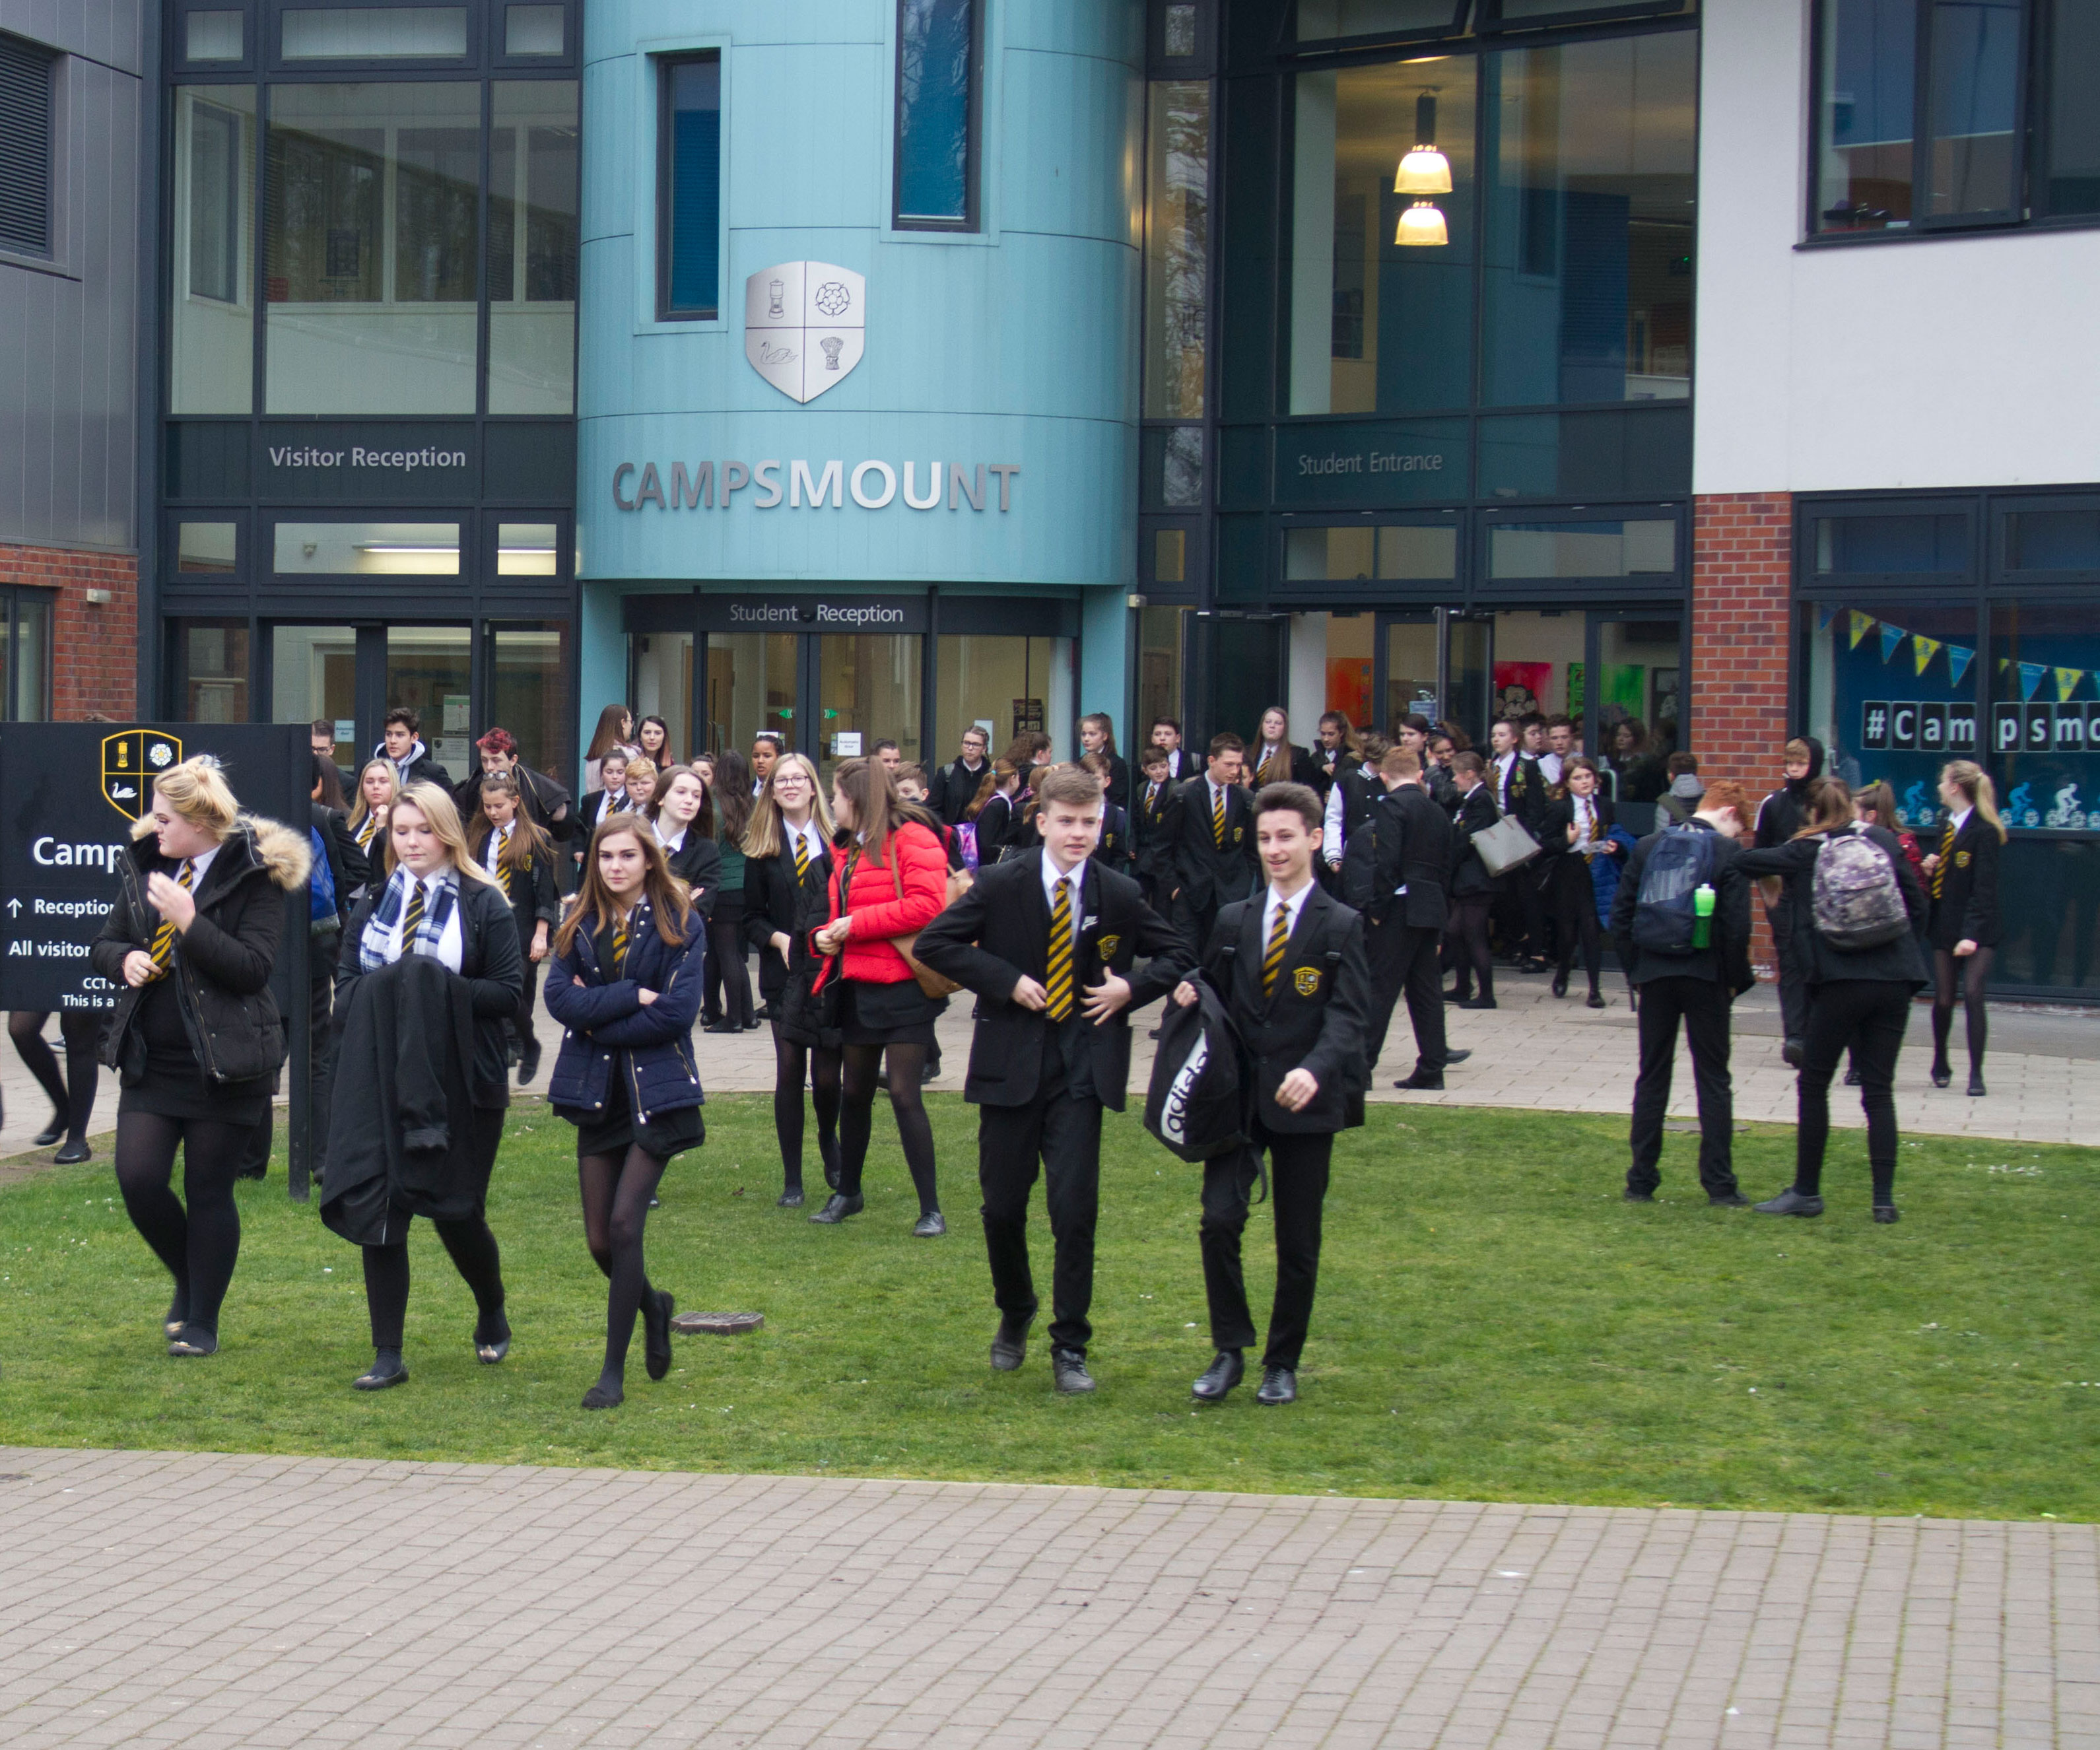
x=1106, y=724
x=1974, y=783
x=994, y=780
x=665, y=893
x=1340, y=720
x=1829, y=806
x=527, y=840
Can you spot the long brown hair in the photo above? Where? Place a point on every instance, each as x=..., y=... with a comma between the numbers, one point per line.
x=1829, y=805
x=989, y=786
x=659, y=887
x=611, y=724
x=876, y=810
x=730, y=799
x=527, y=840
x=767, y=834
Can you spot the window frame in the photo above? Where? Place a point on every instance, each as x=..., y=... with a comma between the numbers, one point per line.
x=12, y=596
x=972, y=222
x=45, y=255
x=664, y=68
x=2029, y=148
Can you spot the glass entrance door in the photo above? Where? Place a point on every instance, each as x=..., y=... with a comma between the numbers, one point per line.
x=351, y=675
x=866, y=689
x=752, y=687
x=313, y=677
x=430, y=670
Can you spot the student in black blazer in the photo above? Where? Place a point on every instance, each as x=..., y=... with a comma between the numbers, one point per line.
x=1473, y=889
x=1395, y=876
x=1098, y=738
x=1288, y=962
x=991, y=819
x=519, y=856
x=610, y=799
x=1963, y=873
x=1521, y=789
x=1273, y=758
x=1152, y=851
x=1575, y=827
x=787, y=877
x=1113, y=847
x=1211, y=826
x=956, y=785
x=682, y=812
x=1047, y=940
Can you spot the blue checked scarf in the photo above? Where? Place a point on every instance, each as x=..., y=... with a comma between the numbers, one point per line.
x=438, y=909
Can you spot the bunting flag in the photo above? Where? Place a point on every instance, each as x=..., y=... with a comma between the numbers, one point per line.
x=2031, y=674
x=1891, y=637
x=1959, y=656
x=1824, y=615
x=1861, y=624
x=2067, y=682
x=1923, y=650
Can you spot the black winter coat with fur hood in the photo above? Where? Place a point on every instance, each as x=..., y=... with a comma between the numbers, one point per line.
x=222, y=962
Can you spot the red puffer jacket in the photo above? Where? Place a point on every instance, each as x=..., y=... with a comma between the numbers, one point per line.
x=877, y=914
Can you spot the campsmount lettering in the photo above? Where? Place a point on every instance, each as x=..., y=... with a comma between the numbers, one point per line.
x=871, y=485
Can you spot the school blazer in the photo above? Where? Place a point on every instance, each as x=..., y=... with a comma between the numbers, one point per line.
x=699, y=864
x=1154, y=850
x=999, y=933
x=774, y=901
x=535, y=899
x=1967, y=907
x=1476, y=813
x=1314, y=1018
x=1408, y=840
x=1207, y=873
x=1526, y=798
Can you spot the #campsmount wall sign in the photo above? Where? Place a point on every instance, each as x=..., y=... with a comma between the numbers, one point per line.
x=805, y=325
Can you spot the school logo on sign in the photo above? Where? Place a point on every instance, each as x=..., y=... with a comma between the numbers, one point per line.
x=131, y=762
x=804, y=326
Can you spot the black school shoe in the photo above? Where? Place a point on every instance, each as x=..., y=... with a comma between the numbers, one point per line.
x=1790, y=1202
x=74, y=1152
x=387, y=1368
x=1279, y=1384
x=1887, y=1213
x=1068, y=1372
x=194, y=1341
x=1226, y=1371
x=1009, y=1345
x=657, y=1332
x=837, y=1208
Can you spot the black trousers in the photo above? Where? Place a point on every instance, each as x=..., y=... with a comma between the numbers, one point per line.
x=521, y=1038
x=1298, y=1189
x=1194, y=922
x=1866, y=1016
x=1063, y=1135
x=1701, y=1005
x=1792, y=993
x=1404, y=960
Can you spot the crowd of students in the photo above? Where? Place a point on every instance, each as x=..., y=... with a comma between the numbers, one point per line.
x=1305, y=892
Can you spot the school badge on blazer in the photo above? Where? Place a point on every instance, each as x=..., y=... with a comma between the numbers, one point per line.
x=1307, y=980
x=1961, y=859
x=1110, y=944
x=131, y=759
x=1238, y=833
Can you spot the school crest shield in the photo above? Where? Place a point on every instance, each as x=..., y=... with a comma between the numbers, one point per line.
x=804, y=326
x=131, y=761
x=1306, y=981
x=1108, y=945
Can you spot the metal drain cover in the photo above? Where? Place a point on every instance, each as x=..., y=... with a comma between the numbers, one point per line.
x=716, y=1323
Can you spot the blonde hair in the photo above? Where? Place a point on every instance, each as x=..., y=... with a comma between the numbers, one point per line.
x=764, y=837
x=1974, y=783
x=363, y=812
x=197, y=791
x=436, y=808
x=640, y=766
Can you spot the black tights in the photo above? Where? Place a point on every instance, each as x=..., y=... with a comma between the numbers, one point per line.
x=791, y=1067
x=726, y=962
x=1466, y=945
x=1972, y=973
x=73, y=1099
x=474, y=1255
x=200, y=1244
x=616, y=1190
x=907, y=1063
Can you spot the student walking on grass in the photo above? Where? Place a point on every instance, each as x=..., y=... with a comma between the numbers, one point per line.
x=520, y=857
x=1048, y=941
x=196, y=1036
x=1289, y=964
x=426, y=990
x=1858, y=908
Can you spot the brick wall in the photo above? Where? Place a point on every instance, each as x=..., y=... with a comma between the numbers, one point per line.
x=1742, y=558
x=94, y=646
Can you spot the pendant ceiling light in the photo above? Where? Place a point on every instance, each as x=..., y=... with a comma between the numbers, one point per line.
x=1425, y=170
x=1421, y=223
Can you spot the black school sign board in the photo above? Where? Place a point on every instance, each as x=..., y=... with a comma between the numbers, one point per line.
x=70, y=795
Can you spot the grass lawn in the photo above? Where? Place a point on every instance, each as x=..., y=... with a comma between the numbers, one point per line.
x=1494, y=1323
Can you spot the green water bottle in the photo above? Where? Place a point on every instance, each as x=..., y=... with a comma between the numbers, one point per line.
x=1702, y=914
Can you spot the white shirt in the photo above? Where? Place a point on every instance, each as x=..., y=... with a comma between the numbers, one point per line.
x=202, y=862
x=808, y=832
x=1586, y=820
x=1294, y=905
x=1959, y=821
x=1076, y=876
x=1216, y=790
x=450, y=943
x=1550, y=763
x=492, y=854
x=673, y=842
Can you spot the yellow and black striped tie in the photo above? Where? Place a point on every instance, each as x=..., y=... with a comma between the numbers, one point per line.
x=619, y=945
x=163, y=950
x=1946, y=851
x=801, y=858
x=1271, y=960
x=412, y=920
x=365, y=832
x=1218, y=818
x=1058, y=979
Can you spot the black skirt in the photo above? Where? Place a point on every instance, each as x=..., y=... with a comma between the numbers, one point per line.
x=802, y=1019
x=181, y=1091
x=613, y=1131
x=898, y=1014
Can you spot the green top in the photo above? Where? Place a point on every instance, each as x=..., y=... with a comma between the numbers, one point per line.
x=732, y=866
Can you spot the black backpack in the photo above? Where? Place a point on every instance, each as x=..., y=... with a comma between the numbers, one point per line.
x=1682, y=861
x=1196, y=1104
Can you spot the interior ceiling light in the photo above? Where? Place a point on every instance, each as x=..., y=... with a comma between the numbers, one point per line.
x=1425, y=170
x=1422, y=224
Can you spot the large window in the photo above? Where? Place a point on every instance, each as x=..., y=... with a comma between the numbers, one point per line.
x=688, y=185
x=1002, y=685
x=25, y=622
x=939, y=59
x=1573, y=238
x=212, y=321
x=1177, y=251
x=532, y=214
x=1937, y=113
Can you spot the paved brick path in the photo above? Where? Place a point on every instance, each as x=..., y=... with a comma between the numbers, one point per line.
x=211, y=1601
